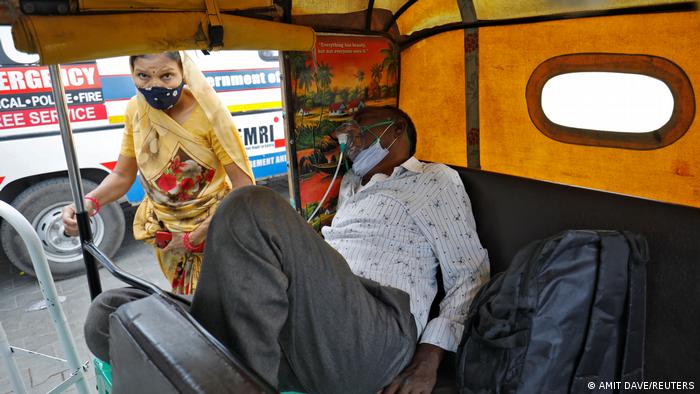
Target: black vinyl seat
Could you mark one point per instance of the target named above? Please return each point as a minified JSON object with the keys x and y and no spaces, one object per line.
{"x":157,"y":347}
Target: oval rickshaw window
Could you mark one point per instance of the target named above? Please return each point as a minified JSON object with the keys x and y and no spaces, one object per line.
{"x":619,"y":102}
{"x":613,"y":100}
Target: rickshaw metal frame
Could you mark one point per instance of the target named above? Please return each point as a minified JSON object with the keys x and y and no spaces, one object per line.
{"x":48,"y":290}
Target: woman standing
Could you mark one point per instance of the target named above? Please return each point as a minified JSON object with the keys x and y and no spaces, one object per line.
{"x":182,"y":140}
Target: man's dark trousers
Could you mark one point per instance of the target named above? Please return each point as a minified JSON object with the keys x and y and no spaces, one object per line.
{"x":274,"y":292}
{"x":287,"y":303}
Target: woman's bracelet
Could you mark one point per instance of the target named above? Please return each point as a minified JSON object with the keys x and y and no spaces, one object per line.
{"x":190,"y":248}
{"x":95,"y":202}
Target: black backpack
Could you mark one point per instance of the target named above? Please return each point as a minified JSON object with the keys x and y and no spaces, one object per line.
{"x":567,"y":316}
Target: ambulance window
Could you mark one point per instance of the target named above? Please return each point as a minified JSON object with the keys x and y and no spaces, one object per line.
{"x":269,"y":56}
{"x":623,"y":101}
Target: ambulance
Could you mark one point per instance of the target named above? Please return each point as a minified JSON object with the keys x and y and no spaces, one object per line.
{"x":33,"y":171}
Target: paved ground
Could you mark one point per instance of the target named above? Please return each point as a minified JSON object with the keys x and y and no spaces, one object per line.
{"x":34,"y":330}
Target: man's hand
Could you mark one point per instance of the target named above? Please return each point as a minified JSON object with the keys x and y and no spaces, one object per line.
{"x":420,"y":375}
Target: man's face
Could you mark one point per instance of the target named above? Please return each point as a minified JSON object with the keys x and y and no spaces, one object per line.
{"x":366,"y":129}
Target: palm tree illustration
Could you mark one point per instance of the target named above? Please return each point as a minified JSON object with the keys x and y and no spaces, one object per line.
{"x":390,"y":64}
{"x":344,"y":94}
{"x":297,"y":64}
{"x":376,"y":70}
{"x":304,"y":81}
{"x":301,"y":74}
{"x":360,"y":76}
{"x":323,"y":79}
{"x":356,"y":93}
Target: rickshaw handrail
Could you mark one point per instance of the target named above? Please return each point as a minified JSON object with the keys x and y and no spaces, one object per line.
{"x":48,"y":290}
{"x":120,"y":274}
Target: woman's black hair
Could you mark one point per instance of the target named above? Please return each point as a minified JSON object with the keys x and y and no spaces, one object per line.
{"x":174,"y":55}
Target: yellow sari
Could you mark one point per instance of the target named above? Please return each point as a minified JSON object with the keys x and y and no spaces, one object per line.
{"x":181,"y":168}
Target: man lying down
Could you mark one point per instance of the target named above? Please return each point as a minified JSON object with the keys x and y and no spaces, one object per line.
{"x":348,"y":314}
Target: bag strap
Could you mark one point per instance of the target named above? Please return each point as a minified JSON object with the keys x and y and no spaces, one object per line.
{"x":599,"y":360}
{"x":633,"y":359}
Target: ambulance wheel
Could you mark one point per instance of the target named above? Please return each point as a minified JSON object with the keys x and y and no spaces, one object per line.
{"x":41,"y":204}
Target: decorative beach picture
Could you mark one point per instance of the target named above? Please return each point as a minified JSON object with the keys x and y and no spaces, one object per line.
{"x":329,"y":85}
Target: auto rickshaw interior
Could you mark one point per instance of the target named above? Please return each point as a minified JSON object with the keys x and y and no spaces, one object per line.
{"x":471,"y":74}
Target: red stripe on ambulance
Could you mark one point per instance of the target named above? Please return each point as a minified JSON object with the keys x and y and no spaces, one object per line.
{"x":110,"y":165}
{"x":2,"y":178}
{"x":45,"y":116}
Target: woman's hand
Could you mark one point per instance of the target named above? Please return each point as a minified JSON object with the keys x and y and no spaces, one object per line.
{"x":199,"y":235}
{"x":115,"y":185}
{"x":175,"y":244}
{"x":70,"y":223}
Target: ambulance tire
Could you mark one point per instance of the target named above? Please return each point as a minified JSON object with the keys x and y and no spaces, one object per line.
{"x":41,"y":204}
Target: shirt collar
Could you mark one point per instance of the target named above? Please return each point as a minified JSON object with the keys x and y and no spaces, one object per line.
{"x":412,"y":164}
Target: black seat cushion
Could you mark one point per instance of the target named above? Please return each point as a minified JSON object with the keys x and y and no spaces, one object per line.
{"x":157,"y":347}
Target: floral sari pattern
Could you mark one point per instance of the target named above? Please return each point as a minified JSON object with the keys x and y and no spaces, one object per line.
{"x":183,"y":178}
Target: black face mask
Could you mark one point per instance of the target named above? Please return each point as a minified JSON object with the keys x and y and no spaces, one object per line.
{"x":162,"y":98}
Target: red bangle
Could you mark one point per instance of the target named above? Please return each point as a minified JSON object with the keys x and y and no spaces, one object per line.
{"x":94,"y":201}
{"x":190,"y":248}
